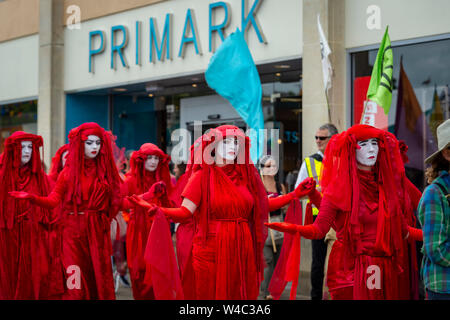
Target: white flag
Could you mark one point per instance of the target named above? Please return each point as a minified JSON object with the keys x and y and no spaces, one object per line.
{"x":325,"y":51}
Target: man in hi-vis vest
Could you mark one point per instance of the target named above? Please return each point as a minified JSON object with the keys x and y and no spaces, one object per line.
{"x":312,"y":167}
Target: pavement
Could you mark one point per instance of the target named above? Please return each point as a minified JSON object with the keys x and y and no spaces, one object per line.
{"x":124,"y":293}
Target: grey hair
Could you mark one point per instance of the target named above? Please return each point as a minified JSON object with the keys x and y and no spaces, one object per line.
{"x":332,"y":130}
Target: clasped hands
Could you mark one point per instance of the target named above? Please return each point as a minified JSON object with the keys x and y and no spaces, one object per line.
{"x":138,"y":201}
{"x":305,"y":188}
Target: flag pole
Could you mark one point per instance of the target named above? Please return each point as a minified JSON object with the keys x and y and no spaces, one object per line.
{"x":328,"y":105}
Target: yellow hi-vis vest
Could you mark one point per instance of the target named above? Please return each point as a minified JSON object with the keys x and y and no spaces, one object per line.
{"x":314,"y":168}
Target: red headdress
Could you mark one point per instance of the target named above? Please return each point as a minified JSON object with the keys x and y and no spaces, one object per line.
{"x":9,"y":171}
{"x":137,"y":166}
{"x":202,"y":158}
{"x":340,"y":184}
{"x":56,"y":166}
{"x":106,"y":168}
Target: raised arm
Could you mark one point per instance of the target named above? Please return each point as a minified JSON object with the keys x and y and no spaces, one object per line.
{"x":303,"y":189}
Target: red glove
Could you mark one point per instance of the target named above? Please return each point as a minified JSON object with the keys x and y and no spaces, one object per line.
{"x":281,"y":201}
{"x":305,"y":187}
{"x":309,"y":231}
{"x":22,"y":195}
{"x":177,"y":214}
{"x":415,"y":234}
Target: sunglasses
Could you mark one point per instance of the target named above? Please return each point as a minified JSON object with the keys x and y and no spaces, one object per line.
{"x":322,"y":138}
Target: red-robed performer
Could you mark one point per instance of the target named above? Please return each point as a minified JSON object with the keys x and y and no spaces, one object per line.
{"x":229,"y":203}
{"x":58,"y":162}
{"x":148,"y":166}
{"x":364,"y":195}
{"x":27,"y":269}
{"x":89,"y":188}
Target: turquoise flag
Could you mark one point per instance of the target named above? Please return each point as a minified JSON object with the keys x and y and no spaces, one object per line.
{"x":232,"y":74}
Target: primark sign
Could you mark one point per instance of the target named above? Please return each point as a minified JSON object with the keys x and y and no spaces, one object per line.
{"x":163,"y":44}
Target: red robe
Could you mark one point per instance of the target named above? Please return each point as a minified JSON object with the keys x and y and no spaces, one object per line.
{"x":224,"y":266}
{"x":86,"y":242}
{"x":29,"y":266}
{"x":348,"y":277}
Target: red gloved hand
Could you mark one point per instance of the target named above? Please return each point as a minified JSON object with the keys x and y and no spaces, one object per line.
{"x":158,"y":189}
{"x":305,"y":187}
{"x":415,"y":234}
{"x":137,"y":201}
{"x":22,"y":195}
{"x":309,"y":231}
{"x":177,"y":214}
{"x":283,"y":227}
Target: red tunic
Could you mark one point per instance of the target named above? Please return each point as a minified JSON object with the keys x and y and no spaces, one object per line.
{"x":358,"y":271}
{"x":225,"y":265}
{"x":86,"y":242}
{"x":138,"y":229}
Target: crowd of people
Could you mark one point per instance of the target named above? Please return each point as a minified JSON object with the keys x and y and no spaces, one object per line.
{"x":217,"y":228}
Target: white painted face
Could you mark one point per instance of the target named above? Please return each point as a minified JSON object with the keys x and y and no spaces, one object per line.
{"x":92,"y":146}
{"x":228,"y":148}
{"x":151,"y":163}
{"x":368,"y":153}
{"x":64,"y":158}
{"x":27,"y":151}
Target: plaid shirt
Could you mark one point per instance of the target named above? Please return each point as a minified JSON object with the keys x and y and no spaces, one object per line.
{"x":434,"y":216}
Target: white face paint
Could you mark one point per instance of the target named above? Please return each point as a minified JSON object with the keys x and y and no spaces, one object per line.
{"x":92,"y":146}
{"x":151,"y":163}
{"x":228,"y":149}
{"x":368,"y":153}
{"x":27,"y":151}
{"x":64,"y":158}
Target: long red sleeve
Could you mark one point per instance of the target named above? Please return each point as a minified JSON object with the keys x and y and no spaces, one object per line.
{"x":55,"y":197}
{"x":415,"y":234}
{"x":177,"y":214}
{"x":281,"y":201}
{"x":310,"y":232}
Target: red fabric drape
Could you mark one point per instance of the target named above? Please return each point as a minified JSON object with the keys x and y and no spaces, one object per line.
{"x":28,"y":248}
{"x":289,"y":259}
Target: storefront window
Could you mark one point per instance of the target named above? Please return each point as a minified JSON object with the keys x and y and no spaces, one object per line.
{"x":17,"y":117}
{"x":426,"y":68}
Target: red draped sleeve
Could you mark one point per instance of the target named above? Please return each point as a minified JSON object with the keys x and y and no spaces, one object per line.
{"x":55,"y":197}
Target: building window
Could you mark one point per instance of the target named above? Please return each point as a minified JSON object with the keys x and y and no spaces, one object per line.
{"x":426,"y":68}
{"x":17,"y":117}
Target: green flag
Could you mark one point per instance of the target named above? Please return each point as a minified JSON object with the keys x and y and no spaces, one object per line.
{"x":381,"y":85}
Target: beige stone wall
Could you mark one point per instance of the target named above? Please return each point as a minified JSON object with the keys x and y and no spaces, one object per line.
{"x":91,"y":9}
{"x":20,"y":18}
{"x":314,"y":103}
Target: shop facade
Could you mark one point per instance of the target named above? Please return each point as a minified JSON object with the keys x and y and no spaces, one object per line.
{"x":137,"y":67}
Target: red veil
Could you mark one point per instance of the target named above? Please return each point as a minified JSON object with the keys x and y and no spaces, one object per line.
{"x":107,"y":172}
{"x":339,"y":177}
{"x":203,"y":159}
{"x":156,"y":255}
{"x":35,"y":241}
{"x":9,"y":172}
{"x":56,"y":166}
{"x":137,"y":167}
